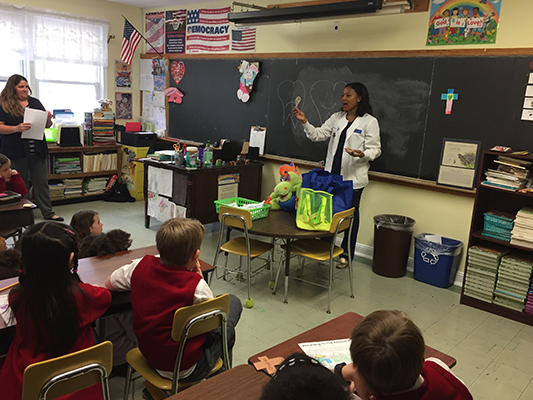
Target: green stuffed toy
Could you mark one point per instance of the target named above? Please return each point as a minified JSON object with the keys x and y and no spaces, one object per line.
{"x":286,"y":193}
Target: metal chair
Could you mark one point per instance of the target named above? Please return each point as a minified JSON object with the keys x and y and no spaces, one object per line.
{"x":323,"y":251}
{"x":241,"y":246}
{"x":70,"y":373}
{"x":188,"y":322}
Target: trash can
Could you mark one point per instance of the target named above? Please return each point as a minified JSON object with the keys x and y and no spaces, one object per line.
{"x":436,"y":259}
{"x":392,"y":241}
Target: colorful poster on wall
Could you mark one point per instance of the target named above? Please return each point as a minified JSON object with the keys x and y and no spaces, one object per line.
{"x":122,"y":74}
{"x":123,"y":107}
{"x":455,"y":22}
{"x":155,"y":32}
{"x":175,"y":31}
{"x":208,"y":30}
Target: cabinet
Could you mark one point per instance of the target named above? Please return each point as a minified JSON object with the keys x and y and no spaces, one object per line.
{"x":104,"y":164}
{"x":492,"y":198}
{"x":198,"y":189}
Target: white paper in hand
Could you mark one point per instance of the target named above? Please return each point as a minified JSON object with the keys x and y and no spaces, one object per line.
{"x":38,"y":119}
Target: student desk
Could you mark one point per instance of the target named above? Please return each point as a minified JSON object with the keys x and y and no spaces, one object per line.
{"x":282,"y":224}
{"x":16,"y":215}
{"x":338,"y":328}
{"x":197,"y":189}
{"x":242,"y":382}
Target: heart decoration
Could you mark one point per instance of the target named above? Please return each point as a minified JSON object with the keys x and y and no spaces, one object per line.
{"x":177,"y":70}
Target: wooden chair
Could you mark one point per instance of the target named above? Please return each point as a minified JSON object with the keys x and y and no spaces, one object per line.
{"x":241,"y":246}
{"x":188,"y":322}
{"x":325,"y":252}
{"x":70,"y":373}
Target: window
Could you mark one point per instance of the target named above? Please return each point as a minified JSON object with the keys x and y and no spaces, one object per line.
{"x":63,"y":56}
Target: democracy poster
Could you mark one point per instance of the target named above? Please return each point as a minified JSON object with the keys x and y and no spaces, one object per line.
{"x":208,"y":30}
{"x":458,"y":22}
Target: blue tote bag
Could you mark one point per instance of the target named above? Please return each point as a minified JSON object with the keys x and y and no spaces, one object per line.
{"x":325,"y":181}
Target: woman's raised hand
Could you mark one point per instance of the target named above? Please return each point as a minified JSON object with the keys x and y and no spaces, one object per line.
{"x":299,"y":114}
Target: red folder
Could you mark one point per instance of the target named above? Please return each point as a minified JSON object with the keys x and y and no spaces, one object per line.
{"x":133,"y":126}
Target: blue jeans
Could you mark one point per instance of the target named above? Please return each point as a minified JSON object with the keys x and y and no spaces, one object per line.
{"x":356,"y":199}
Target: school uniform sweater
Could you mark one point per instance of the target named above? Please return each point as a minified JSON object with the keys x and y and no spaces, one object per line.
{"x":91,"y":305}
{"x":363,"y":134}
{"x":15,"y":184}
{"x":439,"y":384}
{"x":157,"y":291}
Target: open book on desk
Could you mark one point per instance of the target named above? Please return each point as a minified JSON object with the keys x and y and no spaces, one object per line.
{"x":329,"y":352}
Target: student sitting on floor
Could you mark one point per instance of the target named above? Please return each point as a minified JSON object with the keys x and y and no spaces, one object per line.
{"x":159,"y":286}
{"x":10,"y":179}
{"x":92,"y":241}
{"x":53,"y":310}
{"x":302,"y":377}
{"x":387,"y":351}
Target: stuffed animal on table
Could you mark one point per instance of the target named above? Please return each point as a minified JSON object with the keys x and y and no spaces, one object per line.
{"x":286,"y":193}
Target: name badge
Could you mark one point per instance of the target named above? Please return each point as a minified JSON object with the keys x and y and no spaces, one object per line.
{"x":358,"y":131}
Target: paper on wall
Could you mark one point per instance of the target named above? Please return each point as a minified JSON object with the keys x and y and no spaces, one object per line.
{"x":146,"y":79}
{"x":159,"y":99}
{"x":147,"y":104}
{"x":38,"y":119}
{"x":162,"y":208}
{"x":257,"y":138}
{"x":160,"y":181}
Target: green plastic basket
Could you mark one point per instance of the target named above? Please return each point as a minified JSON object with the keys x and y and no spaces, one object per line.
{"x":238,"y":202}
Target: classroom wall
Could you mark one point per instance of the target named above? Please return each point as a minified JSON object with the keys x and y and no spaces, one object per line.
{"x":437,"y":213}
{"x":111,"y":12}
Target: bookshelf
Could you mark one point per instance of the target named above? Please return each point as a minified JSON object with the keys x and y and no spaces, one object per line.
{"x":493,"y":198}
{"x":94,"y":162}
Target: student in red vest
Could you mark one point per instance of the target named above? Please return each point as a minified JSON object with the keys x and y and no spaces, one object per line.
{"x":161,"y":285}
{"x":10,"y":179}
{"x":53,"y":309}
{"x":387,"y":351}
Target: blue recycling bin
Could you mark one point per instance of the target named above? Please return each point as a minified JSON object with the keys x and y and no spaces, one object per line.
{"x":436,"y":263}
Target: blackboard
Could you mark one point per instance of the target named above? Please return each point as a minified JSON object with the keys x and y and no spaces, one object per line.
{"x":405,"y":93}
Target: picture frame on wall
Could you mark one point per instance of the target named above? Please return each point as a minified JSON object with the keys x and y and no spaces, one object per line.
{"x":459,"y":163}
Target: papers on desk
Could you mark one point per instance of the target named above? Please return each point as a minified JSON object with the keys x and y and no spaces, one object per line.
{"x":38,"y":119}
{"x":5,"y":311}
{"x":328,"y":353}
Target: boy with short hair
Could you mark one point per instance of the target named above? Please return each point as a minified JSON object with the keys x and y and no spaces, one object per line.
{"x":161,"y":285}
{"x":387,"y":351}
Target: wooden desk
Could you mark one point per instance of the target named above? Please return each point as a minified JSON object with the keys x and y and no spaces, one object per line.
{"x":282,"y":224}
{"x":338,"y":328}
{"x":242,"y":382}
{"x":95,"y":270}
{"x":197,"y":189}
{"x":16,"y":215}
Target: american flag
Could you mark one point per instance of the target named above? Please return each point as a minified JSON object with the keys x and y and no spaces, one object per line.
{"x":155,"y":31}
{"x":207,"y":30}
{"x":175,"y":17}
{"x":130,"y":40}
{"x":243,"y":39}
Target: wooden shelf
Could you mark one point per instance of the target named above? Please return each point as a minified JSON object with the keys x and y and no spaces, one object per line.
{"x":80,"y":151}
{"x":491,"y":198}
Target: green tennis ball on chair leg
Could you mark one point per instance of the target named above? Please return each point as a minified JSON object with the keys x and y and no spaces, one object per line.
{"x":248,"y":303}
{"x":271,"y":284}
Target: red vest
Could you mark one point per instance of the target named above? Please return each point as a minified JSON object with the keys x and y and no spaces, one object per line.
{"x":439,"y":384}
{"x":157,"y":291}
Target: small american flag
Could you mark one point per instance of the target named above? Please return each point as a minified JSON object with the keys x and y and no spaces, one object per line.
{"x":243,"y":39}
{"x":130,"y":40}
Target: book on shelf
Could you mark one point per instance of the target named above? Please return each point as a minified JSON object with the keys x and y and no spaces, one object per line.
{"x":511,"y":187}
{"x":515,"y":161}
{"x":521,"y":173}
{"x":525,"y":212}
{"x":490,"y":252}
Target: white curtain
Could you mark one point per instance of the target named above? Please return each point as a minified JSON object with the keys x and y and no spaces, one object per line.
{"x":34,"y":34}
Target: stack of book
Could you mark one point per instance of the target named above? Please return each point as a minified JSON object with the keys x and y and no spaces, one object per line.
{"x":88,"y":128}
{"x":67,"y":165}
{"x":498,"y":225}
{"x":103,"y":133}
{"x":95,"y":185}
{"x":482,"y":271}
{"x":511,"y":174}
{"x":529,"y":302}
{"x":100,"y":162}
{"x":73,"y":187}
{"x":512,"y":285}
{"x":57,"y":189}
{"x":522,"y":233}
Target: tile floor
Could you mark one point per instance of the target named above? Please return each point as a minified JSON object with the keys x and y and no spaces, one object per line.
{"x":493,"y":354}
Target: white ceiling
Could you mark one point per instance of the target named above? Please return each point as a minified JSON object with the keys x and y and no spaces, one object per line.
{"x":155,"y":3}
